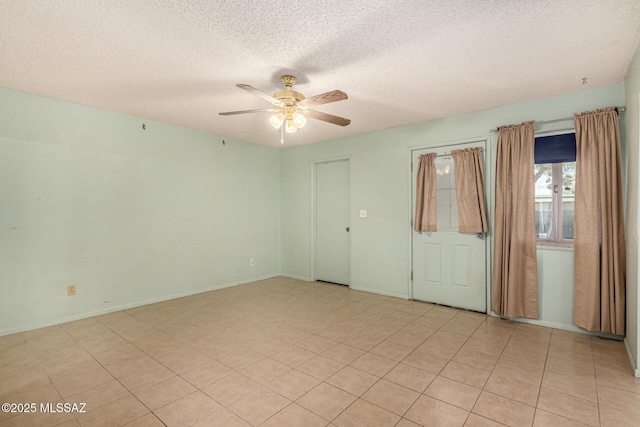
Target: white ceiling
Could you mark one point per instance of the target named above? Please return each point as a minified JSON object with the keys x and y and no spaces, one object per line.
{"x":400,"y":62}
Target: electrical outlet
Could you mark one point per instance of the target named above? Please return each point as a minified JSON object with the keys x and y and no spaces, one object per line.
{"x":71,"y":290}
{"x":252,"y":262}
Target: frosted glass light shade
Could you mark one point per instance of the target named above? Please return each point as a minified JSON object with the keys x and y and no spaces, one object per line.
{"x":276,"y":120}
{"x":290,"y":127}
{"x":299,"y":120}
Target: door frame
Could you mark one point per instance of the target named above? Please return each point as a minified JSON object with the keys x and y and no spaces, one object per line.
{"x":314,"y":165}
{"x":488,"y":175}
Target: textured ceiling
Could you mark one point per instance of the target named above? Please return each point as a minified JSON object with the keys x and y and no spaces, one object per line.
{"x":400,"y":62}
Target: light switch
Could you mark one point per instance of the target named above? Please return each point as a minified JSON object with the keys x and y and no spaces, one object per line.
{"x":363,"y":213}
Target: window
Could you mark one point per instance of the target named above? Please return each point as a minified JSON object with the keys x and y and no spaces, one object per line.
{"x":555,"y":176}
{"x":446,"y":209}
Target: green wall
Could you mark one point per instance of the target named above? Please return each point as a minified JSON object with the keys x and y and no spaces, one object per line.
{"x":130,"y":216}
{"x":632,"y":92}
{"x":380,"y":183}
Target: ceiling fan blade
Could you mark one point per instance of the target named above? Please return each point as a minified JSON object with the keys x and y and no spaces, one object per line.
{"x":259,"y":93}
{"x":324,"y":98}
{"x":329,"y":118}
{"x":264,"y":110}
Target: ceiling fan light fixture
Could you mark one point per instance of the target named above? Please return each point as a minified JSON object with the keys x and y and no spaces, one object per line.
{"x":290,"y":127}
{"x":276,"y":120}
{"x":299,"y":120}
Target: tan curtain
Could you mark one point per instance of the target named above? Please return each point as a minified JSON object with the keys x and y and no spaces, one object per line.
{"x":599,"y":246}
{"x":467,"y":164}
{"x":425,"y":219}
{"x":515,"y":270}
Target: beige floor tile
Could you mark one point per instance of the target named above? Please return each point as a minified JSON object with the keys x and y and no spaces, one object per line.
{"x":187,"y":410}
{"x":343,"y":353}
{"x":149,"y":420}
{"x":612,"y":417}
{"x":259,"y":405}
{"x":619,"y":399}
{"x":265,"y":370}
{"x":116,"y":413}
{"x":352,"y":380}
{"x":72,"y":383}
{"x":623,"y":380}
{"x":452,"y":392}
{"x":317,"y":344}
{"x":465,"y":374}
{"x":326,"y":401}
{"x":548,"y":419}
{"x":390,"y":396}
{"x":584,"y":388}
{"x":406,"y":423}
{"x":230,"y":388}
{"x":475,"y":359}
{"x":492,"y":347}
{"x":406,"y":339}
{"x":374,"y":364}
{"x":568,"y":406}
{"x":570,"y":367}
{"x":293,"y":355}
{"x":511,"y":388}
{"x":426,"y":361}
{"x":475,"y":420}
{"x":161,"y":394}
{"x":410,"y":377}
{"x":207,"y":374}
{"x":321,"y":367}
{"x":100,"y":395}
{"x":527,"y":373}
{"x":362,"y":413}
{"x":427,"y":411}
{"x":391,"y":350}
{"x":503,"y":410}
{"x":295,"y":416}
{"x":364,"y":341}
{"x":293,"y":384}
{"x":222,"y":418}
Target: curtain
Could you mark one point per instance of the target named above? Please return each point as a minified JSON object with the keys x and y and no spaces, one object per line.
{"x":599,"y":244}
{"x":425,"y":219}
{"x":515,"y":270}
{"x":467,"y":164}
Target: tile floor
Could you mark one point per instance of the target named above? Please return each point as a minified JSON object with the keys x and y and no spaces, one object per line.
{"x":287,"y":353}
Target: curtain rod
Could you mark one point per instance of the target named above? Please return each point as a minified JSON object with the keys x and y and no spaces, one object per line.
{"x":448,"y":153}
{"x":541,"y":122}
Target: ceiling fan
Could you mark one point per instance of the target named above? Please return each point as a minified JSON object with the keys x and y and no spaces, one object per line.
{"x":291,"y":108}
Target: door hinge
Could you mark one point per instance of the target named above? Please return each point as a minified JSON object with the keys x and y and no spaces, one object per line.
{"x":412,"y":276}
{"x":411,"y":167}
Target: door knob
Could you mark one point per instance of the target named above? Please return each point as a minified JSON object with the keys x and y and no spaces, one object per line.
{"x":347,"y":229}
{"x":480,"y":236}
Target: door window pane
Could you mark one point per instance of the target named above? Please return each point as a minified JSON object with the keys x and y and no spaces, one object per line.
{"x":446,"y":208}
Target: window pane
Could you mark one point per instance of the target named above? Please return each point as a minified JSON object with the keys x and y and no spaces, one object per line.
{"x":568,"y":191}
{"x":544,"y":200}
{"x":446,"y":208}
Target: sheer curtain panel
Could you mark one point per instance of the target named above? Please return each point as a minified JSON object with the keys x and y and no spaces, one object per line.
{"x":599,"y":243}
{"x":472,"y":217}
{"x":515,"y":270}
{"x":425,"y":219}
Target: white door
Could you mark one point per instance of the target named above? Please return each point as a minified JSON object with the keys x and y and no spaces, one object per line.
{"x":332,"y":222}
{"x":448,"y":267}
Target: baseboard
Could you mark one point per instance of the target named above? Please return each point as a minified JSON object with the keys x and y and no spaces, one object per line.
{"x":131,"y":305}
{"x":293,"y":276}
{"x":636,"y":369}
{"x":375,"y":291}
{"x":564,"y":327}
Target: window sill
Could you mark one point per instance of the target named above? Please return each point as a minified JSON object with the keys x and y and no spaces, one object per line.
{"x":554,"y":246}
